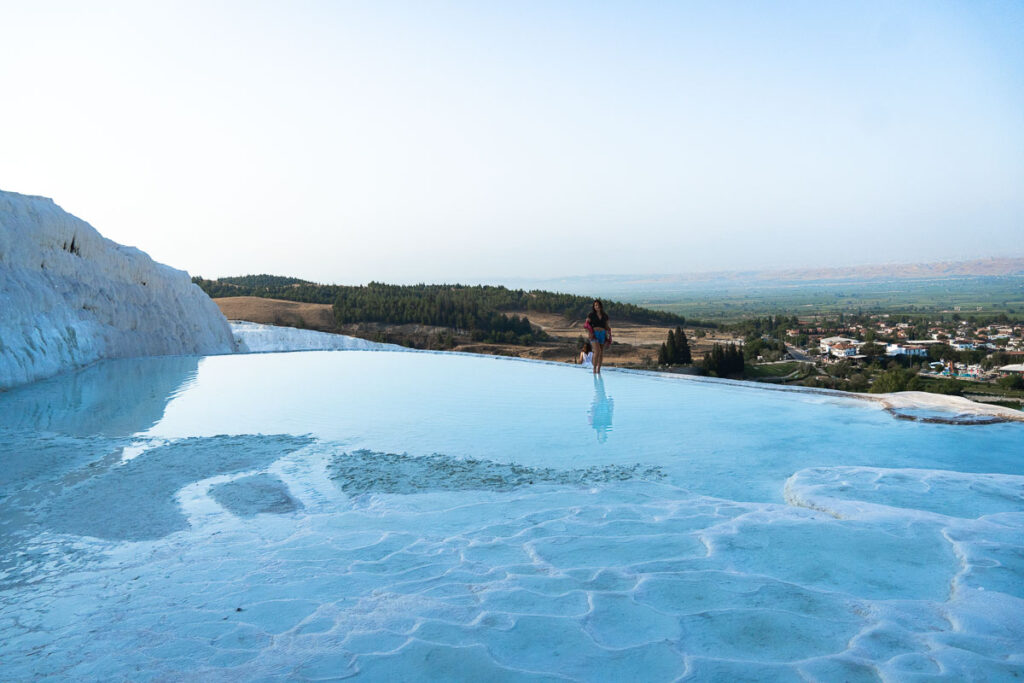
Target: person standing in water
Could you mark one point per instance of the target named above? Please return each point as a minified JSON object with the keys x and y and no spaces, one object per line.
{"x":600,"y":331}
{"x":586,"y":357}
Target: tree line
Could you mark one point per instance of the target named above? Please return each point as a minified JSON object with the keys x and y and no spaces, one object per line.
{"x":724,"y":360}
{"x":482,"y":311}
{"x":721,"y":360}
{"x":456,"y":308}
{"x":676,"y":349}
{"x":489,"y":297}
{"x":268,"y":287}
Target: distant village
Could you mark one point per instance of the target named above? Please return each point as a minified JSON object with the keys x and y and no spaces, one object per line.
{"x":997,"y":350}
{"x":883,"y":353}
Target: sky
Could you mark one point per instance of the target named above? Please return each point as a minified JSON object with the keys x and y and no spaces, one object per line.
{"x":425,"y":141}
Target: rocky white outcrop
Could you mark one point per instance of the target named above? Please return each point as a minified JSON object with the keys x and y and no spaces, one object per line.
{"x":69,"y":296}
{"x":942,"y":408}
{"x":257,"y":338}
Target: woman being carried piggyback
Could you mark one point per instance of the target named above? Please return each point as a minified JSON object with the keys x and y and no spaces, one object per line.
{"x":600,"y":332}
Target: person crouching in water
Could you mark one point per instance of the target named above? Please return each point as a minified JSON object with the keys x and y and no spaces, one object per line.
{"x":600,"y":331}
{"x":586,"y":358}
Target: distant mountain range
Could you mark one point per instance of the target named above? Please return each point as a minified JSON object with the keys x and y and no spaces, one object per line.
{"x":915,"y":271}
{"x":988,"y":267}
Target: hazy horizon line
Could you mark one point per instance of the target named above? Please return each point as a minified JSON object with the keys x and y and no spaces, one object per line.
{"x":1015,"y":262}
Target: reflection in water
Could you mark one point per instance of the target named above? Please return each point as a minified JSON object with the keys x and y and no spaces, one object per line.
{"x":111,"y":398}
{"x":57,"y":438}
{"x":601,"y":408}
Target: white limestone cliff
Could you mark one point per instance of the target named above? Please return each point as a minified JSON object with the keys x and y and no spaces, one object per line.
{"x":69,"y":296}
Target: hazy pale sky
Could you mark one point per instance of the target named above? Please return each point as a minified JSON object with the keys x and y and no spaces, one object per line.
{"x":457,"y":141}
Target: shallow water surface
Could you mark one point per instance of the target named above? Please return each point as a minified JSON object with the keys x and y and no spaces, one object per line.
{"x":420,"y":516}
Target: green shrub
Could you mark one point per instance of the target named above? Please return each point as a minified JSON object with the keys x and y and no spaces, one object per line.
{"x":1011,"y":382}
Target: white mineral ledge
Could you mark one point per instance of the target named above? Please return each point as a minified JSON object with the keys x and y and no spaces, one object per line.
{"x":69,"y":297}
{"x":953,"y":405}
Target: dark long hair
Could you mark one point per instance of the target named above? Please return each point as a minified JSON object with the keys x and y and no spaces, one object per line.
{"x":594,"y":315}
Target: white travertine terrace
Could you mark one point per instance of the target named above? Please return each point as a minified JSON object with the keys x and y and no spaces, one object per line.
{"x":947,"y":404}
{"x":69,"y":296}
{"x":257,"y":338}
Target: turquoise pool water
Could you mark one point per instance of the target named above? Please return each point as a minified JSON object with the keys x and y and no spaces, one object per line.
{"x":413,"y":515}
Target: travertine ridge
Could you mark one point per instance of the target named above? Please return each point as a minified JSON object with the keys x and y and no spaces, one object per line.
{"x":69,"y":296}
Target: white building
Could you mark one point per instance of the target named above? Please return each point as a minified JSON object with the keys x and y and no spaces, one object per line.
{"x":828,"y":343}
{"x":906,"y":350}
{"x":843,"y":350}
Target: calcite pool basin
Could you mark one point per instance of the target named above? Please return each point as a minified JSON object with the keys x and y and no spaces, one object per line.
{"x":418,"y":516}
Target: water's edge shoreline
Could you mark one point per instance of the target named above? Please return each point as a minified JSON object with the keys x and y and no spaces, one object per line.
{"x":908,"y":405}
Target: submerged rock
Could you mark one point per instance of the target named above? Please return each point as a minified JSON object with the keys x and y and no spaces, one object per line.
{"x":366,"y":471}
{"x":254,"y":495}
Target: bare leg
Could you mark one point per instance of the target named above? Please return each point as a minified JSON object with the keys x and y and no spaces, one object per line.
{"x":598,"y":357}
